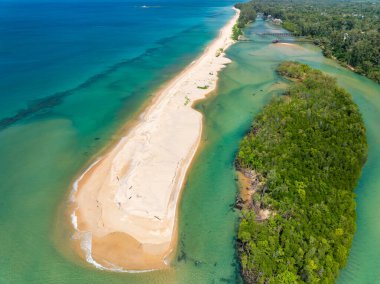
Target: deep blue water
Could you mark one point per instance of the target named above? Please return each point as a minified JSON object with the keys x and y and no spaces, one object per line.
{"x":53,"y":46}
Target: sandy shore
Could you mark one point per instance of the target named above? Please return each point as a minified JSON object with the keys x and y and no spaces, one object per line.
{"x":126,"y":203}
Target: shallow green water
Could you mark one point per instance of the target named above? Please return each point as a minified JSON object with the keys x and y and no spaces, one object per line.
{"x":30,"y":249}
{"x":206,"y":220}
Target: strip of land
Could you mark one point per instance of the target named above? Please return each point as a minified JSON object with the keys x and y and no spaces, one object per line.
{"x":126,"y":203}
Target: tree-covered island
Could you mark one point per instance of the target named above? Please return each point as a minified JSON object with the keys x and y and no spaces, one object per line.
{"x":303,"y":156}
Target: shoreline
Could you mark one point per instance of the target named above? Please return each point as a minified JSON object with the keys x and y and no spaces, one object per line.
{"x":125,"y":204}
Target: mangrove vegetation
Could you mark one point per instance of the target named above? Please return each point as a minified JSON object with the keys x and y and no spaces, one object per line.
{"x":304,"y":153}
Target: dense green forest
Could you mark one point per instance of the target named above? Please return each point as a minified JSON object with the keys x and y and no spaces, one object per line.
{"x":346,"y":30}
{"x":247,"y":15}
{"x":306,"y":148}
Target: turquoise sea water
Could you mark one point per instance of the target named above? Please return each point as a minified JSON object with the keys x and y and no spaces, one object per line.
{"x":102,"y":79}
{"x":91,"y":65}
{"x":50,"y":47}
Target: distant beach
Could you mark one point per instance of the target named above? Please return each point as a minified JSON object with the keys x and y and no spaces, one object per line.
{"x":126,"y":203}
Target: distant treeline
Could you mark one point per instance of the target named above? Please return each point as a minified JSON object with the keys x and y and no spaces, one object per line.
{"x":307,"y":149}
{"x":247,"y":15}
{"x":346,"y":30}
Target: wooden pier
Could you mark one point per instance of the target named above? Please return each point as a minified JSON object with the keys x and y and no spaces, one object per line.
{"x":278,"y":34}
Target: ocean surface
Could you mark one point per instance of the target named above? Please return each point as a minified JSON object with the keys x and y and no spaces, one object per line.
{"x":73,"y":73}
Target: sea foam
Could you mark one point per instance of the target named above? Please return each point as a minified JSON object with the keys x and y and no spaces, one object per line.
{"x":75,"y":184}
{"x":86,"y":245}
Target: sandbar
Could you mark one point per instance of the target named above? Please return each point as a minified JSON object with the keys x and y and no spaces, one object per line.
{"x":124,"y":206}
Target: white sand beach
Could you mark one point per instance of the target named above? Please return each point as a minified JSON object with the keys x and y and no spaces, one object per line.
{"x":126,"y":203}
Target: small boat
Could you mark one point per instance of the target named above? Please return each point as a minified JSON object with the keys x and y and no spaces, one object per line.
{"x":275,"y":41}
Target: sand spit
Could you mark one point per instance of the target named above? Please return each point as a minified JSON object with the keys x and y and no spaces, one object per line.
{"x":126,"y":202}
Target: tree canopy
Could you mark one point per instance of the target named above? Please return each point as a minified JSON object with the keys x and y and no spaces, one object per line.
{"x":307,"y":147}
{"x":346,"y":30}
{"x":247,"y":15}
